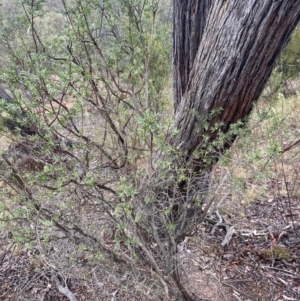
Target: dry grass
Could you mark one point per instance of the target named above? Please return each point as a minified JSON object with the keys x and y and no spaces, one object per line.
{"x":261,"y":156}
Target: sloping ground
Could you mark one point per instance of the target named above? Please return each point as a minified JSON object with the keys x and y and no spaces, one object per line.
{"x":26,"y":277}
{"x":259,"y":263}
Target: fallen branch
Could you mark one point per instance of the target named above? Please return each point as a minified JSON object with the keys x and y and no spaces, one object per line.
{"x":62,"y":289}
{"x":218,"y":223}
{"x":228,"y":236}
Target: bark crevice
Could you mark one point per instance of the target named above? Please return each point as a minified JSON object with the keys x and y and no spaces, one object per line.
{"x":238,"y":45}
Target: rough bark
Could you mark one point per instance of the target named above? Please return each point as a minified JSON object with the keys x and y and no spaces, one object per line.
{"x":188,"y":27}
{"x":223,"y":54}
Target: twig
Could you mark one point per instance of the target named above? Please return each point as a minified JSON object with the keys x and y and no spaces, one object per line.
{"x":283,"y":270}
{"x":288,"y":194}
{"x":238,"y":280}
{"x":113,"y":298}
{"x":228,"y":236}
{"x":273,"y":259}
{"x":290,"y":146}
{"x":63,"y":289}
{"x":282,"y":281}
{"x":218,"y":223}
{"x":288,"y":298}
{"x":222,"y":200}
{"x":235,"y":289}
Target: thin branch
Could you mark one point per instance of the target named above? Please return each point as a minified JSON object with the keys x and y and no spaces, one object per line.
{"x":63,"y":289}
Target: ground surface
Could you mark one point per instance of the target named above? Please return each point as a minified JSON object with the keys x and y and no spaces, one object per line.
{"x":260,"y":262}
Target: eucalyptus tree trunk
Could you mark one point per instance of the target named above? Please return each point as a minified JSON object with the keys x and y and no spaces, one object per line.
{"x":223,"y":54}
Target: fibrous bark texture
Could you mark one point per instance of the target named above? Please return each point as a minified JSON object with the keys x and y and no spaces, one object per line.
{"x":223,"y":54}
{"x":188,"y":27}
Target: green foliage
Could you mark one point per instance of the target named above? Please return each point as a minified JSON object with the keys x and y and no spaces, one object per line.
{"x":287,"y":68}
{"x":90,"y":78}
{"x":289,"y":63}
